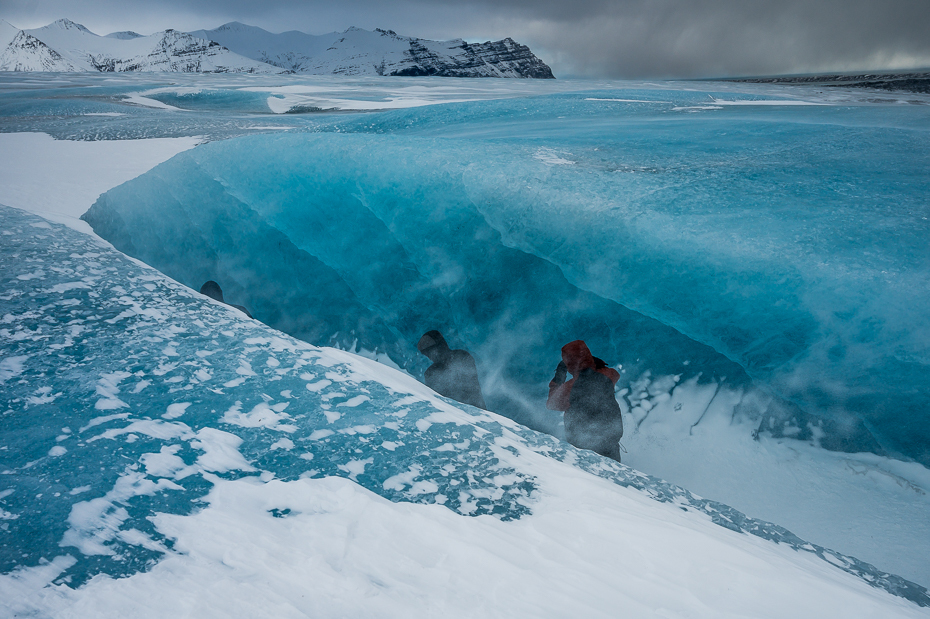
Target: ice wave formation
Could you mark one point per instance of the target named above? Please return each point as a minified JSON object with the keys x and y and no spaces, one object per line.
{"x":677,"y":245}
{"x":130,"y":399}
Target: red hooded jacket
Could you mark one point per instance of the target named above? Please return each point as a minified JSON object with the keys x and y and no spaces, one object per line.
{"x":576,"y":357}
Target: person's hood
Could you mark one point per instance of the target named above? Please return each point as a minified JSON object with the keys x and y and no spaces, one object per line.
{"x":212,"y":290}
{"x":433,"y":345}
{"x":577,"y":357}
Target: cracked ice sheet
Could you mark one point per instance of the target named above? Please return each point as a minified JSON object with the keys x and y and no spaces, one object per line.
{"x":338,"y":550}
{"x":60,"y":179}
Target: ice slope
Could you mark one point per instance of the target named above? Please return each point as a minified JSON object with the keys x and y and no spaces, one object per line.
{"x":165,"y":51}
{"x":163,"y":454}
{"x":760,"y":232}
{"x":872,"y":507}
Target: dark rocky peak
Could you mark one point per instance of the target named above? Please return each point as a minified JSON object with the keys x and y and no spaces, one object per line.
{"x":124,"y":35}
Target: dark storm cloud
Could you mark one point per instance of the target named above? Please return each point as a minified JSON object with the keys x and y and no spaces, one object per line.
{"x":597,"y":38}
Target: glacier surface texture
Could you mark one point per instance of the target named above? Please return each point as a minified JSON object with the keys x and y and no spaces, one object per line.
{"x":133,"y":408}
{"x":776,"y":245}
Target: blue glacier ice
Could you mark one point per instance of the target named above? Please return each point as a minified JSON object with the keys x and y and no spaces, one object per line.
{"x":126,"y":395}
{"x":775,"y":244}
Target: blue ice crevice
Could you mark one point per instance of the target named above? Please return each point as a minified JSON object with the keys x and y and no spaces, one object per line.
{"x":126,"y":394}
{"x":512,"y":256}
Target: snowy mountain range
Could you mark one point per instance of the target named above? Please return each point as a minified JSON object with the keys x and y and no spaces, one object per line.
{"x":381,"y":52}
{"x":67,"y":46}
{"x":239,"y":48}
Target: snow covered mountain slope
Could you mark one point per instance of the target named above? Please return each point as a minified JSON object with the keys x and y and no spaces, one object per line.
{"x":67,"y":46}
{"x":20,"y":51}
{"x":234,"y":47}
{"x":289,"y":50}
{"x":382,"y":52}
{"x":164,"y":455}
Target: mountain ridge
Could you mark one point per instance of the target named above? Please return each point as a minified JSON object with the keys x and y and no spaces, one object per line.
{"x":235,"y":47}
{"x":66,"y":46}
{"x":379,"y":52}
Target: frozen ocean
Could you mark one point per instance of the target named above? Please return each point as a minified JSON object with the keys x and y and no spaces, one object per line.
{"x":753,"y":259}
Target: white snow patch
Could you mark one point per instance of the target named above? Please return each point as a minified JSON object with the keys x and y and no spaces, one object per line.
{"x":355,"y":467}
{"x":82,"y":171}
{"x":284,"y":443}
{"x":139,"y":99}
{"x":261,"y":416}
{"x":221,"y":451}
{"x":355,"y":401}
{"x":166,"y":463}
{"x":764,"y":102}
{"x":11,"y":367}
{"x":552,"y":157}
{"x":96,"y":421}
{"x":176,"y":410}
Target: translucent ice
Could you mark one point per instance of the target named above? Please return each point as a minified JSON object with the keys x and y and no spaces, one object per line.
{"x":673,"y":231}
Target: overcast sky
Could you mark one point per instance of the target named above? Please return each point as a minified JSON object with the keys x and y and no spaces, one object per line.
{"x":591,"y":38}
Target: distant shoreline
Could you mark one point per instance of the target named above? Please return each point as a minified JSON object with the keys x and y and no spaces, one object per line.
{"x":908,"y":81}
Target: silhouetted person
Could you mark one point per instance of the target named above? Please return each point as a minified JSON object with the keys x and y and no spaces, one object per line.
{"x":213,"y":290}
{"x":453,"y":373}
{"x":592,"y":415}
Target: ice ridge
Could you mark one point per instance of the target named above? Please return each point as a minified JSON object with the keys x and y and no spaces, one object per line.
{"x":675,"y":265}
{"x":387,"y":277}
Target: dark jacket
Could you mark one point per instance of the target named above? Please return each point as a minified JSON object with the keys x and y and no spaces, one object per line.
{"x":592,"y":415}
{"x":453,"y":373}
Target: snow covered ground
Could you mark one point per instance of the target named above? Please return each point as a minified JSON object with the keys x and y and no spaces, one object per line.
{"x":60,"y":179}
{"x":588,"y":550}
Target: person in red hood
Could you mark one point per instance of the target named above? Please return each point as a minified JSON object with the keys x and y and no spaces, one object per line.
{"x":592,"y":415}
